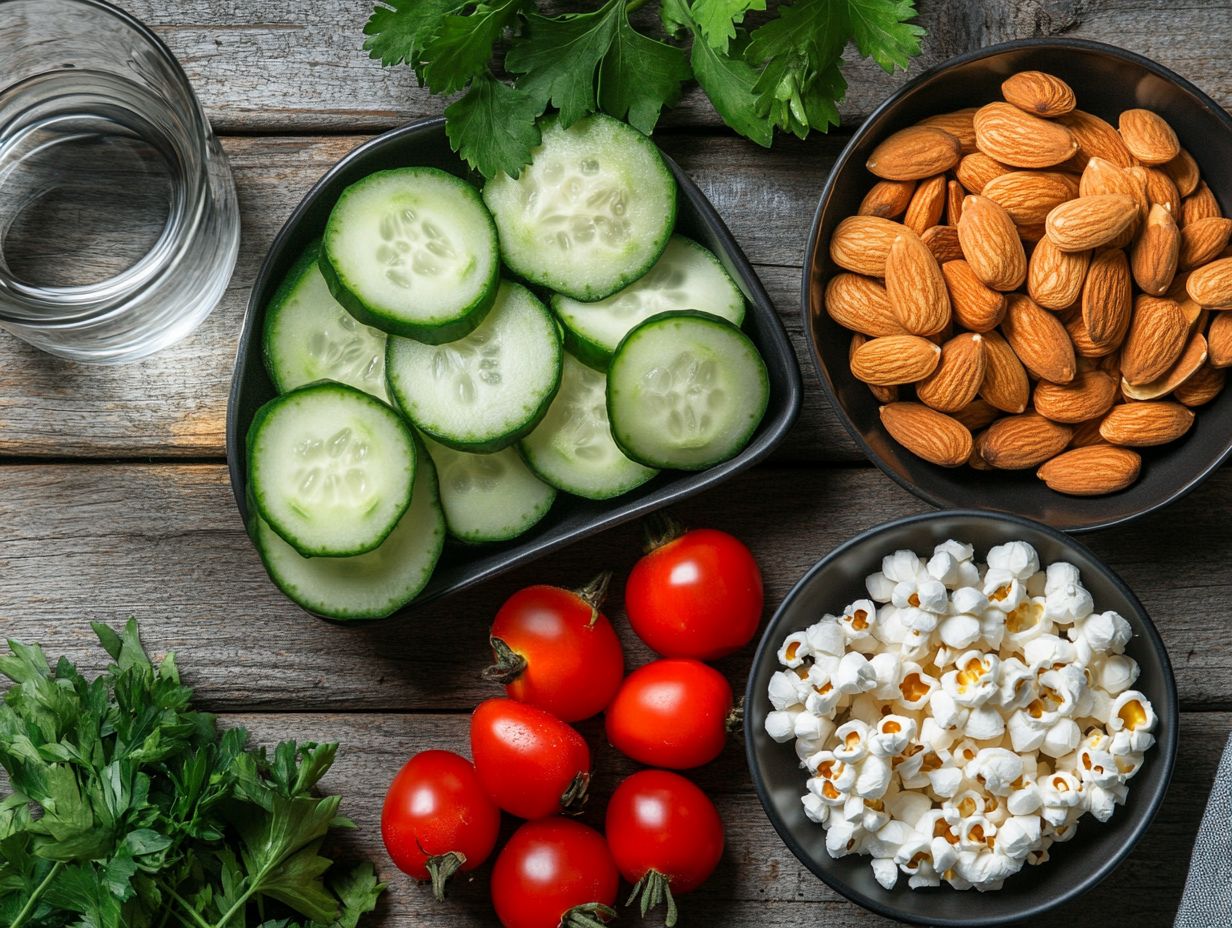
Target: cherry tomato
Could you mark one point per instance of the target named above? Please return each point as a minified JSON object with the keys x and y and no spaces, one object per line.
{"x":550,"y":870}
{"x":438,"y":818}
{"x":530,"y":762}
{"x":665,"y":835}
{"x":671,"y":713}
{"x":555,"y":650}
{"x":697,"y":596}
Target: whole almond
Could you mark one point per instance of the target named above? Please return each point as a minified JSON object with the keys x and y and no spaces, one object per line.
{"x":990,"y":243}
{"x":1088,"y":222}
{"x":1055,"y":277}
{"x":1202,"y":387}
{"x":1088,"y":396}
{"x":929,"y":434}
{"x":1084,"y":347}
{"x":1192,"y":360}
{"x":895,"y":359}
{"x":1029,"y":196}
{"x":1101,"y":176}
{"x":1107,"y":300}
{"x":1096,"y":139}
{"x":943,"y":242}
{"x":1159,"y":188}
{"x":1005,"y":379}
{"x":915,"y":153}
{"x":1038,"y":93}
{"x":1018,"y":442}
{"x":1141,"y":425}
{"x":976,"y":170}
{"x":1201,"y":204}
{"x":1091,"y":471}
{"x":1184,"y":172}
{"x":1219,"y":340}
{"x":887,"y":199}
{"x":954,"y":195}
{"x":1007,"y":134}
{"x":1086,"y":434}
{"x":927,"y":204}
{"x":959,"y":123}
{"x":1156,"y":252}
{"x":957,"y":379}
{"x":1202,"y":240}
{"x":1148,"y":136}
{"x":880,"y":394}
{"x":976,"y":306}
{"x":1209,"y":285}
{"x":860,"y":304}
{"x":862,"y":243}
{"x":1039,"y":339}
{"x":1157,"y":335}
{"x":977,"y":414}
{"x":916,"y":288}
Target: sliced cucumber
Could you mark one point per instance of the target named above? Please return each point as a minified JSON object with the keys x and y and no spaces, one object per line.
{"x":331,"y":469}
{"x":412,"y":251}
{"x":687,"y":276}
{"x":572,"y":448}
{"x":366,"y":586}
{"x":685,"y":390}
{"x":488,"y":497}
{"x":591,"y":212}
{"x":485,"y":391}
{"x":309,"y":336}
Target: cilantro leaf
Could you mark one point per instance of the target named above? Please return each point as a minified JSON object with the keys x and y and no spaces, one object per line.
{"x":639,"y":76}
{"x":398,"y":31}
{"x":559,"y":57}
{"x":718,"y":19}
{"x":492,"y":127}
{"x":462,"y":48}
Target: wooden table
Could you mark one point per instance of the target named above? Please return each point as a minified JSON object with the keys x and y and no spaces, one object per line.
{"x":114,"y":499}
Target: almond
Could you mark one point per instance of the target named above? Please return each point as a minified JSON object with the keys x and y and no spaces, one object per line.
{"x":1141,"y":425}
{"x":862,"y":243}
{"x":1005,"y":379}
{"x":1184,"y":172}
{"x":1089,"y":222}
{"x":888,"y":199}
{"x":1006,"y":133}
{"x":977,"y":170}
{"x":1156,"y":252}
{"x":1107,"y":301}
{"x":1018,"y":442}
{"x":1209,"y":285}
{"x":960,"y":124}
{"x":1076,"y":328}
{"x":916,"y":288}
{"x":895,"y":359}
{"x":990,"y":243}
{"x":977,"y":414}
{"x":1029,"y":196}
{"x":1055,"y":277}
{"x":929,"y":434}
{"x":942,"y":241}
{"x":880,"y":394}
{"x":1039,"y":339}
{"x":1038,"y":93}
{"x":1159,"y":188}
{"x":1148,"y":137}
{"x":1086,"y":434}
{"x":957,"y":379}
{"x":915,"y":153}
{"x":1202,"y":387}
{"x":1096,"y":139}
{"x":927,"y":205}
{"x":860,"y":304}
{"x":1088,"y":396}
{"x":1101,"y":176}
{"x":1203,"y":239}
{"x":1091,"y":471}
{"x":1219,"y":340}
{"x":1201,"y":204}
{"x":976,"y":307}
{"x":954,"y":194}
{"x":1156,"y":338}
{"x":1187,"y":365}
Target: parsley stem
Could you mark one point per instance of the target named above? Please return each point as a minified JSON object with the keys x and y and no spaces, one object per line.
{"x":632,"y":5}
{"x":188,"y":909}
{"x":28,"y":909}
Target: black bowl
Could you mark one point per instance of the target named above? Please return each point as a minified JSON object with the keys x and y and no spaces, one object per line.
{"x":1106,"y":80}
{"x":1077,"y":865}
{"x":571,"y":518}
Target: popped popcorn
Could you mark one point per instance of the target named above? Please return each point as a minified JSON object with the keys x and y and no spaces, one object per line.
{"x":963,"y":718}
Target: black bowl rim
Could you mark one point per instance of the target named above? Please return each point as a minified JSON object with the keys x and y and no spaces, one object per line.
{"x":839,"y":168}
{"x":1167,"y":743}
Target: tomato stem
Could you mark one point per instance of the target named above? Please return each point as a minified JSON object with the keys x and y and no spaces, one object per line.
{"x":509,"y":663}
{"x":654,"y":888}
{"x":661,"y":529}
{"x":735,"y":718}
{"x":441,"y":868}
{"x":588,"y":915}
{"x":573,"y":800}
{"x":594,"y":593}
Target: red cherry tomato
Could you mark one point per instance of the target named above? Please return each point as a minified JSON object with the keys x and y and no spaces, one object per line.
{"x":557,"y":651}
{"x":666,"y":836}
{"x":551,"y":869}
{"x":698,"y":596}
{"x":438,"y":818}
{"x":671,"y":713}
{"x":530,"y":762}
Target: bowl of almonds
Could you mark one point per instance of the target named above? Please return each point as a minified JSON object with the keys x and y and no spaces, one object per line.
{"x":1018,"y":284}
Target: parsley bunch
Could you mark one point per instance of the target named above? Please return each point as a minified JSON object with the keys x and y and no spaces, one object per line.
{"x":784,"y":73}
{"x":128,"y":809}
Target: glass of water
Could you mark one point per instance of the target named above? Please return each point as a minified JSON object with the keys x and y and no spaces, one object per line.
{"x":118,"y":221}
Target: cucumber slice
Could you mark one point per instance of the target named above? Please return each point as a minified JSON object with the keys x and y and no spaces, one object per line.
{"x":488,"y":497}
{"x":687,"y":276}
{"x":483,"y":392}
{"x":331,"y":469}
{"x":308,"y":336}
{"x":591,"y":212}
{"x":366,"y":586}
{"x":685,"y":390}
{"x":572,"y":448}
{"x":412,"y":251}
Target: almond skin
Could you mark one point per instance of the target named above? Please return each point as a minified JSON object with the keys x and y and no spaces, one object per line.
{"x":927,"y":205}
{"x":976,"y":170}
{"x":990,"y":243}
{"x":1019,"y":442}
{"x":943,"y":242}
{"x":1107,"y":300}
{"x":1157,"y":335}
{"x":860,"y":304}
{"x":959,"y":123}
{"x":1055,"y":277}
{"x":929,"y":434}
{"x":1091,"y":471}
{"x":1202,"y":387}
{"x":895,"y":359}
{"x":1038,"y":93}
{"x":954,"y":195}
{"x":1088,"y":396}
{"x":1184,"y":172}
{"x":977,"y":414}
{"x":1202,"y":240}
{"x":915,"y":153}
{"x":1088,"y":222}
{"x":1087,"y":434}
{"x":1219,"y":340}
{"x":1156,"y":252}
{"x":1039,"y":339}
{"x":1101,"y":176}
{"x":1141,"y":425}
{"x":862,"y":243}
{"x":957,"y":379}
{"x":1096,"y":139}
{"x":1029,"y":196}
{"x":1210,"y":285}
{"x":1160,"y":189}
{"x":887,"y":199}
{"x":1201,"y":204}
{"x":880,"y":394}
{"x":976,"y":306}
{"x":1007,"y":134}
{"x":1192,"y":360}
{"x":1005,"y":379}
{"x":1084,"y":347}
{"x":916,"y":288}
{"x":1148,"y":136}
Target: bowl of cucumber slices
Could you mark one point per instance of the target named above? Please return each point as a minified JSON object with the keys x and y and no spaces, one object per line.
{"x":440,"y":379}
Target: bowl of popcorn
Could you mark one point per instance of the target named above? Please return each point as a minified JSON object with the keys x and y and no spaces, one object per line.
{"x":961,"y":718}
{"x":1017,"y":284}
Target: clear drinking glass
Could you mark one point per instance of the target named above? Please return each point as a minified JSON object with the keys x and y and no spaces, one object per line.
{"x":118,"y":221}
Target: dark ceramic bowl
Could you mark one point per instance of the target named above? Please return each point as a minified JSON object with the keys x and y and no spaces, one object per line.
{"x":1106,"y":80}
{"x":571,"y":518}
{"x":1077,"y":865}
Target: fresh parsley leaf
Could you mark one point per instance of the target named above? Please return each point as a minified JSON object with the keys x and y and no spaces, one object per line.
{"x":398,"y":31}
{"x":462,"y":47}
{"x":718,"y":19}
{"x":639,"y":76}
{"x":881,"y":31}
{"x":357,"y":890}
{"x":492,"y":127}
{"x":559,"y":57}
{"x":729,"y":83}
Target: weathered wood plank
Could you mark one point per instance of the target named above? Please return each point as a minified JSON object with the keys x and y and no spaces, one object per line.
{"x":164,"y":543}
